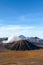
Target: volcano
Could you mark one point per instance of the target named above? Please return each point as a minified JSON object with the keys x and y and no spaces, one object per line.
{"x":23,"y":45}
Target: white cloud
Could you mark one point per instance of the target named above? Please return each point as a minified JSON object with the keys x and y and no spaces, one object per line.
{"x":22,"y":18}
{"x":10,"y":30}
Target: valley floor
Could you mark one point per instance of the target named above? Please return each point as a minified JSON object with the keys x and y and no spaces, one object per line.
{"x":34,"y":57}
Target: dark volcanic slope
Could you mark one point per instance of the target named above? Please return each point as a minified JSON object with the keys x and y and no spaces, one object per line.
{"x":23,"y":45}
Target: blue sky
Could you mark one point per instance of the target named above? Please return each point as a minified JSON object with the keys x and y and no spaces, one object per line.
{"x":21,"y":17}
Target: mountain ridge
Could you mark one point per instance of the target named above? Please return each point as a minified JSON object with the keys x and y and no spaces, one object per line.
{"x":22,"y":43}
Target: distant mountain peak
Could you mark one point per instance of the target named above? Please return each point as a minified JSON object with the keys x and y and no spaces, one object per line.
{"x":22,"y":36}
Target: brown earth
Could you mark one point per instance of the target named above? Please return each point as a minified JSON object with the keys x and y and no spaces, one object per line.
{"x":34,"y":57}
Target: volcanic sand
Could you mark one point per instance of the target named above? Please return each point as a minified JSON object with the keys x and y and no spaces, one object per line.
{"x":33,"y":57}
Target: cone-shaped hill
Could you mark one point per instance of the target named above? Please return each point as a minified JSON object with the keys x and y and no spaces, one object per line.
{"x":23,"y":45}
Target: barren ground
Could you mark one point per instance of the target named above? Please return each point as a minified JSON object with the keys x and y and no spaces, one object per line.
{"x":34,"y":57}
